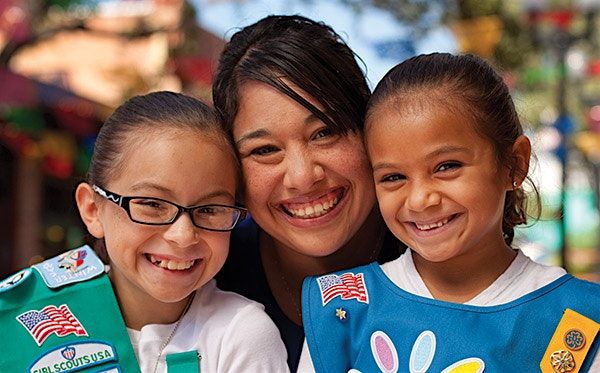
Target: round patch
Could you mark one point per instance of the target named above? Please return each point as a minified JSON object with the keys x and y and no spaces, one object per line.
{"x":14,"y":280}
{"x":574,"y":339}
{"x":562,"y":361}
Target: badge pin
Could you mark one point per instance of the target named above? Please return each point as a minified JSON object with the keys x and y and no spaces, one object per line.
{"x":562,"y":361}
{"x":574,"y":339}
{"x":340,"y":313}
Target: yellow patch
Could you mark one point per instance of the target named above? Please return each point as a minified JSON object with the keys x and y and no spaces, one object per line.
{"x":570,"y":343}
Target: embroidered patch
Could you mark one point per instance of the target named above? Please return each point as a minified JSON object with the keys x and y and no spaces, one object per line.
{"x":14,"y":280}
{"x":384,"y":352}
{"x":76,"y":356}
{"x":51,"y":319}
{"x":470,"y":365}
{"x":422,"y":352}
{"x":348,"y":286}
{"x":73,"y":266}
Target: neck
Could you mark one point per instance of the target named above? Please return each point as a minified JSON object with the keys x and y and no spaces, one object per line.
{"x":286,"y":268}
{"x":462,"y":278}
{"x":140,"y":309}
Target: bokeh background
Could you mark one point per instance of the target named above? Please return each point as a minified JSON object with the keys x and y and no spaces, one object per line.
{"x":66,"y":64}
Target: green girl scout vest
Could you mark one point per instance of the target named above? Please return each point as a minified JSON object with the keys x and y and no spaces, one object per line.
{"x":62,"y":316}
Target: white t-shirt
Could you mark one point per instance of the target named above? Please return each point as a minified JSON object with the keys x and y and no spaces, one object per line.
{"x":522,"y":277}
{"x":230,"y":332}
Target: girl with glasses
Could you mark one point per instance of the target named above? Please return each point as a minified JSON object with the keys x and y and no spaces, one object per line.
{"x":160,"y":202}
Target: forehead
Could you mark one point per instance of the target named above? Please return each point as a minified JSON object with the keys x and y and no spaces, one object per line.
{"x":260,"y":104}
{"x":418,"y":125}
{"x":171,"y":153}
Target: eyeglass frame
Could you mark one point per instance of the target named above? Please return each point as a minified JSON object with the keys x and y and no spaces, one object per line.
{"x":123,"y":202}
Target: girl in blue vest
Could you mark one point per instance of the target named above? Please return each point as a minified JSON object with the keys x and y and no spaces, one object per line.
{"x":449,"y":160}
{"x":160,"y":201}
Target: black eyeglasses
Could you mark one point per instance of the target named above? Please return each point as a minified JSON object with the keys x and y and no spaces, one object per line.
{"x":157,"y":211}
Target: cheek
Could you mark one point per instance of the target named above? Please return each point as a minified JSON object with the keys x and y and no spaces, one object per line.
{"x":259,"y":182}
{"x":219,"y":244}
{"x":388,"y":205}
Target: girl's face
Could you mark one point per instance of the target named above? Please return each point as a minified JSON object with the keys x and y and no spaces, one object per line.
{"x":438,"y":183}
{"x":307,"y":187}
{"x":167,"y":262}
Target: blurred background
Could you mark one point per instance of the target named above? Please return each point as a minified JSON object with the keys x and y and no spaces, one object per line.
{"x":66,"y":64}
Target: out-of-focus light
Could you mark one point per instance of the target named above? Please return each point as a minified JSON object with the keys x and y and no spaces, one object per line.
{"x":55,"y":233}
{"x":548,"y":138}
{"x":595,"y":113}
{"x":548,"y":115}
{"x":576,"y":62}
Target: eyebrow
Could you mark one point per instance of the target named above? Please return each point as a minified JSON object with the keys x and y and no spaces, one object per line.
{"x":159,"y":188}
{"x":437,"y":152}
{"x":262,"y":132}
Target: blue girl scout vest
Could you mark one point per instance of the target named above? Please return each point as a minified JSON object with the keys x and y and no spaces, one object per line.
{"x":358,"y":320}
{"x":62,"y":316}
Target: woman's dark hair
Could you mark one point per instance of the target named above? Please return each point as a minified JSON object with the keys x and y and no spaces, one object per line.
{"x":158,"y":112}
{"x":289,"y":53}
{"x":471,"y":86}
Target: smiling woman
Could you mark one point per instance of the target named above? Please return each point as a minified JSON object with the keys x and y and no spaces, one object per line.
{"x":293,"y":100}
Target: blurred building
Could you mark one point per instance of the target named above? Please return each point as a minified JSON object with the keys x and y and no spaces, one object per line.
{"x":58,"y":81}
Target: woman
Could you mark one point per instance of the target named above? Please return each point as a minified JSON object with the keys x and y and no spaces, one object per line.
{"x":293,"y":99}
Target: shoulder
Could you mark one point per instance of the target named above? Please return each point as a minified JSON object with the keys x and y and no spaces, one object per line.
{"x":239,"y":331}
{"x":72,"y":267}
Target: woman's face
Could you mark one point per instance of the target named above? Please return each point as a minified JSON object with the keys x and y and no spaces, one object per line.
{"x":306,"y":186}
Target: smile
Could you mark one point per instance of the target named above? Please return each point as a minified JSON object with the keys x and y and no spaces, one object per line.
{"x":318,"y":207}
{"x":430,"y":226}
{"x":172,"y":265}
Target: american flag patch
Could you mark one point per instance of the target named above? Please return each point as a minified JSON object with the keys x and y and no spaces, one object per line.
{"x":51,"y":319}
{"x":348,"y":286}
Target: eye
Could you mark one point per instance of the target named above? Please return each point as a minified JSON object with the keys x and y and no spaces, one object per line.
{"x":391,"y":178}
{"x":264,"y":150}
{"x":150,"y":203}
{"x":206,"y":210}
{"x":323,"y":132}
{"x":448,"y":166}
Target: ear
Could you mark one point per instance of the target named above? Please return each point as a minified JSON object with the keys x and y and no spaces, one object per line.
{"x":521,"y":151}
{"x":89,"y":209}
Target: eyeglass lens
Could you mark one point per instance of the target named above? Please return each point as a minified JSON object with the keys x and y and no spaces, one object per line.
{"x":153,"y":211}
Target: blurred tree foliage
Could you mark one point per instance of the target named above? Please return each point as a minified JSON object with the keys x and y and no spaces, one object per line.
{"x":421,"y":16}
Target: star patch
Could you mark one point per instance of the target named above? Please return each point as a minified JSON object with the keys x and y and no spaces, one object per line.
{"x":340,"y":313}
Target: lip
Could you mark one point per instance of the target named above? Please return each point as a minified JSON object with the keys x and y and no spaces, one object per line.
{"x":178,"y":262}
{"x":340,"y":192}
{"x":452,"y":219}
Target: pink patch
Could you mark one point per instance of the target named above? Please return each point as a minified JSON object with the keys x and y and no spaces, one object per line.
{"x":386,"y":357}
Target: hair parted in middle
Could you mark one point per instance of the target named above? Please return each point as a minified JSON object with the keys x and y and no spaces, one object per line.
{"x":468,"y":85}
{"x":292,"y":53}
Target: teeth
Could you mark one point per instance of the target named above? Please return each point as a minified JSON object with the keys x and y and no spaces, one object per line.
{"x":172,"y":264}
{"x":317,"y":209}
{"x":426,"y":227}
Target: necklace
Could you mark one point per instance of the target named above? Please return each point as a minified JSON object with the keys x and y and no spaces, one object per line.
{"x":172,"y":334}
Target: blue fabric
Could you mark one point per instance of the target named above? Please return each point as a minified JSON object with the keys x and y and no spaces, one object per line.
{"x":509,"y":337}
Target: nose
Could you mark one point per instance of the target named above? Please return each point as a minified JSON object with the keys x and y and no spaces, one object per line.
{"x":422,"y":196}
{"x":302,"y":170}
{"x":183,"y":232}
